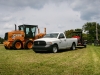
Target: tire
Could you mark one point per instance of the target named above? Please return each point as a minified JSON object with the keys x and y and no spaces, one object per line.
{"x":28,"y":44}
{"x":36,"y":51}
{"x":17,"y":44}
{"x":84,"y":46}
{"x":55,"y":49}
{"x":6,"y":48}
{"x":73,"y":47}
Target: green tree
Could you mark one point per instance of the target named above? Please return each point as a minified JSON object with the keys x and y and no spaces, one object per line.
{"x":78,"y":29}
{"x":68,"y":33}
{"x":1,"y":40}
{"x":90,"y":29}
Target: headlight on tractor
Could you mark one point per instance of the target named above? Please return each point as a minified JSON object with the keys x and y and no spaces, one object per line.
{"x":49,"y":43}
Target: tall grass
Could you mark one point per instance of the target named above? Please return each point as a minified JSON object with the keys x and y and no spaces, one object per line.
{"x":85,"y":61}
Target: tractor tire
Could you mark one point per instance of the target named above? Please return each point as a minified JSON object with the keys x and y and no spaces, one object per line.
{"x":6,"y":47}
{"x":28,"y":44}
{"x":17,"y":44}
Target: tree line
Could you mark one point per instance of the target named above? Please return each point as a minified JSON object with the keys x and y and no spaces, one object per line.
{"x":1,"y":40}
{"x":89,"y":31}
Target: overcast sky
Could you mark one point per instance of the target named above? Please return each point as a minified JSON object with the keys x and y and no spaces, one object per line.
{"x":55,"y":15}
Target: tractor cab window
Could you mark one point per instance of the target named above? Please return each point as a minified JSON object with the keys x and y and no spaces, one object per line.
{"x":29,"y":30}
{"x":21,"y":28}
{"x":33,"y":30}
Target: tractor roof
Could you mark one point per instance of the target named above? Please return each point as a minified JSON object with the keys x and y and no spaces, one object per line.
{"x":29,"y":25}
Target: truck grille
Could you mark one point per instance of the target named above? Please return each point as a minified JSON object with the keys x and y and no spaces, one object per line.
{"x":39,"y":43}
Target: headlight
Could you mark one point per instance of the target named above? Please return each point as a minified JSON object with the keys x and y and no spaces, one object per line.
{"x":49,"y":43}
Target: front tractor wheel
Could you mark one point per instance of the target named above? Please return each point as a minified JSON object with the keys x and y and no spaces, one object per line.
{"x":6,"y":47}
{"x":17,"y":45}
{"x":28,"y":44}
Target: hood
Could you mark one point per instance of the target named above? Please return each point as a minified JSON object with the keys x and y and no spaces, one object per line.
{"x":47,"y":39}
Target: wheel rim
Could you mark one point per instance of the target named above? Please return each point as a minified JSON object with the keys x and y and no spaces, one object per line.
{"x":29,"y":45}
{"x":18,"y":45}
{"x":54,"y":49}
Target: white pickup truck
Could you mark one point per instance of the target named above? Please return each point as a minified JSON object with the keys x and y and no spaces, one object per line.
{"x":53,"y":42}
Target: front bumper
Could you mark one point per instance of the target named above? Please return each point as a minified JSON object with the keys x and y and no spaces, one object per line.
{"x":43,"y":48}
{"x":7,"y":44}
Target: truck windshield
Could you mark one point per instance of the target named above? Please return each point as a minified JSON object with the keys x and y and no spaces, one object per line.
{"x":51,"y":35}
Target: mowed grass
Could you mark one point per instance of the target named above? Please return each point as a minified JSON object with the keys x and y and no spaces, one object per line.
{"x":85,"y":61}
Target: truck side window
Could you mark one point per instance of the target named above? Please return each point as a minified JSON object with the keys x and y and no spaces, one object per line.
{"x":61,"y":36}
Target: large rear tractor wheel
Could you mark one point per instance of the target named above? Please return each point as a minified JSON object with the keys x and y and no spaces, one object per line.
{"x":28,"y":44}
{"x":17,"y":45}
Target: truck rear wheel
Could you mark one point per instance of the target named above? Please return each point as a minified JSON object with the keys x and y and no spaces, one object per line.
{"x":73,"y":47}
{"x":28,"y":44}
{"x":55,"y":49}
{"x":17,"y":44}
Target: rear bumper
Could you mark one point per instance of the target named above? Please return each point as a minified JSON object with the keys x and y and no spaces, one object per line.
{"x":43,"y":48}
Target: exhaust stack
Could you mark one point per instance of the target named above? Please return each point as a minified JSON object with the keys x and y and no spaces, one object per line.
{"x":38,"y":31}
{"x":44,"y":30}
{"x":15,"y":27}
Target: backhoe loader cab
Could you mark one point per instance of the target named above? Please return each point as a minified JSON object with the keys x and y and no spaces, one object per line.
{"x":29,"y":30}
{"x":22,"y":38}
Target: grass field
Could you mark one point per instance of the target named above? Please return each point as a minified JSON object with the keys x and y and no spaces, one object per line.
{"x":85,"y":61}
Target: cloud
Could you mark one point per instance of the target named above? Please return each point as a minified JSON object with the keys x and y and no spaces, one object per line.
{"x":55,"y":15}
{"x":36,"y":4}
{"x":87,"y":8}
{"x":50,"y":16}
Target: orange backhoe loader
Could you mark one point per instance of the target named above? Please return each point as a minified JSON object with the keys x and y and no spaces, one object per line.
{"x":23,"y":37}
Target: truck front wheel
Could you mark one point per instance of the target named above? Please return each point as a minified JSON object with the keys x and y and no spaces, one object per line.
{"x":55,"y":49}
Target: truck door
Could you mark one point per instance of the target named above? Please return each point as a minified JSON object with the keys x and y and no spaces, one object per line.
{"x":62,"y":43}
{"x":68,"y":42}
